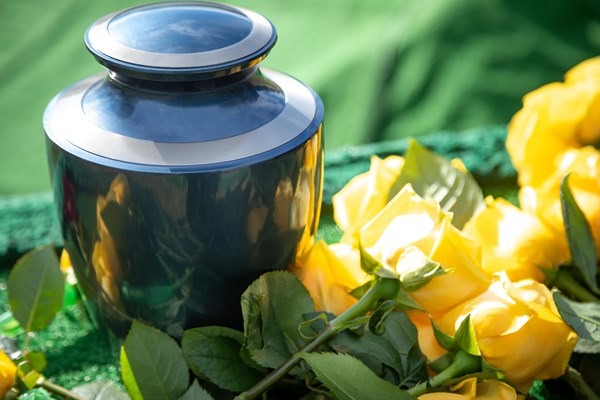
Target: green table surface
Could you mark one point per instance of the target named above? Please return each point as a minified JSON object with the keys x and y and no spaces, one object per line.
{"x":77,"y":354}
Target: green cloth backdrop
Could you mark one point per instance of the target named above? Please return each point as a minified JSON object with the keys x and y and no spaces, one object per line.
{"x":384,"y":68}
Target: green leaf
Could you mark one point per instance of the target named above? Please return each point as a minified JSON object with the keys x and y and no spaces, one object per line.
{"x":368,"y":263}
{"x":587,"y":346}
{"x":433,"y":177}
{"x":349,"y":379}
{"x":361,"y":290}
{"x":465,"y":337}
{"x":128,"y":378}
{"x":28,"y":376}
{"x":386,"y":273}
{"x":195,"y":392}
{"x":584,"y":318}
{"x":273,"y":307}
{"x":372,"y":266}
{"x":155,"y":363}
{"x":320,"y":319}
{"x":37,"y":359}
{"x":396,"y":349}
{"x":100,"y":391}
{"x":377,"y":319}
{"x":446,"y":341}
{"x":579,"y":236}
{"x":213,"y":352}
{"x":417,"y":270}
{"x":36,"y":289}
{"x":405,"y":302}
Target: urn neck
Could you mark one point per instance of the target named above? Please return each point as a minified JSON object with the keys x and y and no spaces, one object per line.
{"x":126,"y":81}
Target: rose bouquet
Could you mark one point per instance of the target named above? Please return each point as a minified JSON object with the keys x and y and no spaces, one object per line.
{"x":432,"y":292}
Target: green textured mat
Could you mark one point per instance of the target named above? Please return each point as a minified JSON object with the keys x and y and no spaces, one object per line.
{"x":77,"y":354}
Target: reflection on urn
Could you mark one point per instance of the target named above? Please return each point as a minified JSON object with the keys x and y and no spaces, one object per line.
{"x":105,"y":260}
{"x":177,"y":250}
{"x":187,"y":175}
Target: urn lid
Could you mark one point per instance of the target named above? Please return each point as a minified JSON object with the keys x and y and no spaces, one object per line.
{"x":184,"y":93}
{"x":180,"y":40}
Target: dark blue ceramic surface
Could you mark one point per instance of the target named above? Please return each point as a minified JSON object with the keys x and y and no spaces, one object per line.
{"x":181,"y":180}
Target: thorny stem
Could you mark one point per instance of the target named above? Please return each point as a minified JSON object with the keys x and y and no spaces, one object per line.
{"x":385,"y":289}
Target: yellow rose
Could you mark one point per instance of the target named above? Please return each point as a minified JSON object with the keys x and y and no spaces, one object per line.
{"x":544,"y":201}
{"x":515,"y":242}
{"x":8,"y":374}
{"x":544,"y":128}
{"x":365,"y":195}
{"x":533,"y":292}
{"x":469,"y":389}
{"x":555,"y":118}
{"x":330,"y":273}
{"x":526,"y":340}
{"x":586,"y":76}
{"x":584,"y":70}
{"x":410,"y":222}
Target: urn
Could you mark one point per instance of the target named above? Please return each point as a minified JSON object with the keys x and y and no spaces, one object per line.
{"x":183,"y":171}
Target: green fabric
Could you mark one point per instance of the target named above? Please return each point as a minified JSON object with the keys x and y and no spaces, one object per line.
{"x":77,"y":354}
{"x":26,"y":221}
{"x":385,"y":69}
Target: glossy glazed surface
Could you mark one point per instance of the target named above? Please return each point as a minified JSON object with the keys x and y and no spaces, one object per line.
{"x":181,"y":29}
{"x":177,"y":250}
{"x":185,"y":172}
{"x":180,"y":41}
{"x":183,"y":126}
{"x":165,"y":112}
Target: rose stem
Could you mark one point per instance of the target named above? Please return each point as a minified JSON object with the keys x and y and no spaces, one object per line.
{"x":464,"y":363}
{"x":58,"y":390}
{"x":579,"y":384}
{"x":382,"y":290}
{"x":565,"y":282}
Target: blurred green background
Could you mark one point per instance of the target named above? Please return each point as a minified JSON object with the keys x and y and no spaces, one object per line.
{"x":384,"y":68}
